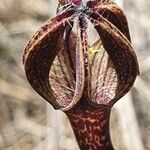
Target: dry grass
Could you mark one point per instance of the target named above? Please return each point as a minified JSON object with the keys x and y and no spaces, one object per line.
{"x":27,"y":121}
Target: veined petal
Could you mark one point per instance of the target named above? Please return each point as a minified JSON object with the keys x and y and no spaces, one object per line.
{"x":40,"y":53}
{"x":114,"y":14}
{"x":104,"y":80}
{"x":79,"y":72}
{"x":122,"y":56}
{"x":103,"y":74}
{"x":62,"y":77}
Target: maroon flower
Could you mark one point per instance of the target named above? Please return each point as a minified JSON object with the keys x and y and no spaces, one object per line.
{"x":82,"y":62}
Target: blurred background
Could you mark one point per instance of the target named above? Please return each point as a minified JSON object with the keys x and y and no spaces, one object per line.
{"x":27,"y":122}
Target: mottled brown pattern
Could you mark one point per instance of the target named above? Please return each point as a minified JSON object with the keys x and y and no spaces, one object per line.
{"x":123,"y":60}
{"x":116,"y":16}
{"x":41,"y":50}
{"x":91,"y":126}
{"x":84,"y":84}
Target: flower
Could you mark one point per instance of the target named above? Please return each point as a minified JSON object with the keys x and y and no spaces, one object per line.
{"x":65,"y":64}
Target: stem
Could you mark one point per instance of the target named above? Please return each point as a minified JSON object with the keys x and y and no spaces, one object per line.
{"x":91,"y":126}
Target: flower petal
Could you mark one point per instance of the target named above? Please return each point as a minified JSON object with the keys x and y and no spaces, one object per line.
{"x":79,"y":72}
{"x":62,"y":77}
{"x":121,"y":54}
{"x":114,"y":14}
{"x":40,"y":53}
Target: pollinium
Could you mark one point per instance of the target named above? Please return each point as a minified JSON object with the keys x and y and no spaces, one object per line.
{"x":82,"y":62}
